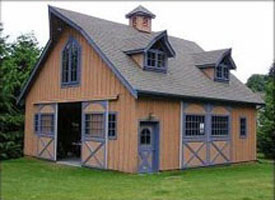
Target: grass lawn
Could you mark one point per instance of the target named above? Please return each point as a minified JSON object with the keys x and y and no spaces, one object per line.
{"x":26,"y":179}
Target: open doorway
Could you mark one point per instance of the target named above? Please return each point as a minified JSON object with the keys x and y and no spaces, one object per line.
{"x":69,"y":133}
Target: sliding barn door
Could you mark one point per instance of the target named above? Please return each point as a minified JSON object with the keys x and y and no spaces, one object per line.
{"x":94,"y":134}
{"x":46,"y":131}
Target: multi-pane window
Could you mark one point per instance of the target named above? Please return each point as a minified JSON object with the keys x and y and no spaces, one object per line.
{"x":156,"y":59}
{"x":194,"y":125}
{"x":44,"y":124}
{"x":222,"y":72}
{"x":70,"y":63}
{"x":145,"y":137}
{"x":112,"y":125}
{"x":220,"y":125}
{"x":243,"y":126}
{"x":94,"y":125}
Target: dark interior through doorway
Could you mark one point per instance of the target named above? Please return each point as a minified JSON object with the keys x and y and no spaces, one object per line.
{"x":69,"y":132}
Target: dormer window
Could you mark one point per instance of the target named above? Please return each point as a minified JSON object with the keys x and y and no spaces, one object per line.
{"x":70,"y":63}
{"x":156,"y":58}
{"x":222,"y":72}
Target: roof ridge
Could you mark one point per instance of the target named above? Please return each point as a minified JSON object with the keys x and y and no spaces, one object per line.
{"x":96,"y":18}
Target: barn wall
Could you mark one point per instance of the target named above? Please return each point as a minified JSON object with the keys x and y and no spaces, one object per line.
{"x":97,"y":81}
{"x":244,"y":149}
{"x":168,"y":114}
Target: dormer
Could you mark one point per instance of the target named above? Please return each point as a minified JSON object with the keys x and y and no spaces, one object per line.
{"x":141,"y":19}
{"x":153,"y":56}
{"x":216,"y":65}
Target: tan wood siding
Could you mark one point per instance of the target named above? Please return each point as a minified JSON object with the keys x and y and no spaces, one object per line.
{"x":168,"y":114}
{"x":96,"y":82}
{"x":244,"y":149}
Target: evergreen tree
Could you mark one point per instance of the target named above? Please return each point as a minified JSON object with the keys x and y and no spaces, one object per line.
{"x":17,"y":60}
{"x":266,"y":125}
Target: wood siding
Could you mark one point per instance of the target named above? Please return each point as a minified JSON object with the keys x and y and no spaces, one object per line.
{"x":96,"y":82}
{"x":168,"y":114}
{"x":244,"y":149}
{"x":209,"y":72}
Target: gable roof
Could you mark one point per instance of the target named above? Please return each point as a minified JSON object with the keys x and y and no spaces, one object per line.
{"x":140,"y":10}
{"x":183,"y":78}
{"x":145,"y":44}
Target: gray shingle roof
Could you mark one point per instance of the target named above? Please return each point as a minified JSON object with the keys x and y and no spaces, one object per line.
{"x":140,"y":10}
{"x":208,"y":57}
{"x":182,"y":79}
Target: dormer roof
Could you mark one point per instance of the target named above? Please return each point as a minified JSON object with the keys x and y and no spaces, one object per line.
{"x":212,"y":58}
{"x":146,"y":43}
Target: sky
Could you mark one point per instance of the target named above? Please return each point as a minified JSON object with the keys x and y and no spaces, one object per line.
{"x":246,"y":27}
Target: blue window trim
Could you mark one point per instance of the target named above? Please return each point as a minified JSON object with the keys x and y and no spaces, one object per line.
{"x":228,"y":126}
{"x":222,"y":78}
{"x":240,"y":127}
{"x":185,"y":129}
{"x":103,"y":121}
{"x":155,"y":68}
{"x":78,"y":71}
{"x":37,"y":127}
{"x":116,"y":122}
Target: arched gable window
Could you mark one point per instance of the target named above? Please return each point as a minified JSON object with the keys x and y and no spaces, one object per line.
{"x":71,"y":63}
{"x":156,"y":58}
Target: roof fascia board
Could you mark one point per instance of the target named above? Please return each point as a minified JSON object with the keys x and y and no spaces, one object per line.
{"x":226,"y":53}
{"x":98,"y":50}
{"x":167,"y":43}
{"x":161,"y":94}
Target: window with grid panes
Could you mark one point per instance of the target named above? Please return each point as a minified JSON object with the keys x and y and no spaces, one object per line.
{"x":112,"y":125}
{"x":194,"y":125}
{"x":46,"y":124}
{"x":94,"y":125}
{"x":220,"y":126}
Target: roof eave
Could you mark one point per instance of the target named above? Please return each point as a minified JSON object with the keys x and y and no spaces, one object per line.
{"x":161,"y":94}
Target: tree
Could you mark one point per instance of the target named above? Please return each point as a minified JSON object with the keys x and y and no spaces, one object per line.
{"x":266,"y":125}
{"x":257,"y":82}
{"x":17,"y":60}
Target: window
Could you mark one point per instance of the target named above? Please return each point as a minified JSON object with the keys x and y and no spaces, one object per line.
{"x":36,"y":123}
{"x":44,"y":124}
{"x":145,"y":137}
{"x":156,"y":59}
{"x":243,"y":127}
{"x":219,"y":125}
{"x":145,"y":21}
{"x":194,"y":125}
{"x":94,"y":125}
{"x":112,"y":125}
{"x":70,"y":63}
{"x":222,"y":72}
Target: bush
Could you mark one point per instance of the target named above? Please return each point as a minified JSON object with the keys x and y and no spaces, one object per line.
{"x":11,"y":145}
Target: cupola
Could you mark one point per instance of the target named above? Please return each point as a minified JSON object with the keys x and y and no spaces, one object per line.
{"x":141,"y":19}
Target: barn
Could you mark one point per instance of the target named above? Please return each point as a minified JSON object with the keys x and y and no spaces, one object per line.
{"x":123,"y":97}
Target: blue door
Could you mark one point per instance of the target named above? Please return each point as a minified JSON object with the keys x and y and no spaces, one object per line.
{"x":148,"y":147}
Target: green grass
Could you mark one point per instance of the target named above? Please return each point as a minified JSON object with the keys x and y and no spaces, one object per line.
{"x":26,"y":179}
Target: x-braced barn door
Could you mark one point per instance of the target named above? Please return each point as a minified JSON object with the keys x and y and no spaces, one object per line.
{"x":46,"y":131}
{"x":206,"y":137}
{"x":94,"y":134}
